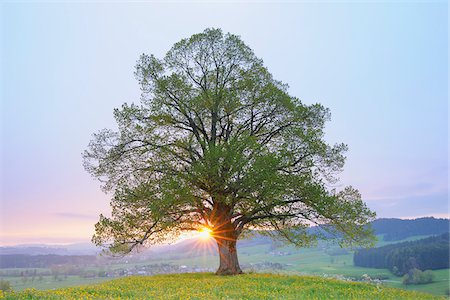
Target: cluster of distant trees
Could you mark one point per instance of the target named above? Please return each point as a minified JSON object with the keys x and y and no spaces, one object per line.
{"x":397,"y":229}
{"x":429,"y":253}
{"x":5,"y":285}
{"x":43,"y":261}
{"x":416,"y":276}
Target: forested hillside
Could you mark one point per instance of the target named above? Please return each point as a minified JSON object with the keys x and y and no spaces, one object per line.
{"x":398,"y":229}
{"x":430,"y":253}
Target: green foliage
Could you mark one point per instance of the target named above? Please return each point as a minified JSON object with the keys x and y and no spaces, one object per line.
{"x":5,"y":285}
{"x":416,"y":276}
{"x":217,"y":142}
{"x":208,"y":286}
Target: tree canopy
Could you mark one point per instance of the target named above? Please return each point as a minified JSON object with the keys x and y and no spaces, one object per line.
{"x":217,"y":142}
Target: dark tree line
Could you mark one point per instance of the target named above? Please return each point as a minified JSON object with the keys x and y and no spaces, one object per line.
{"x":397,"y":229}
{"x":43,"y":261}
{"x":430,"y":253}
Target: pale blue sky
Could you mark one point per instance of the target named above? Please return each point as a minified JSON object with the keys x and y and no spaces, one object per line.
{"x":382,"y":69}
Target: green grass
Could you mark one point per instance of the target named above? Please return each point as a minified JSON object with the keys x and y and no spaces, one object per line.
{"x":381,"y":242}
{"x":303,"y":261}
{"x":48,"y":282}
{"x":209,"y":286}
{"x":437,"y":287}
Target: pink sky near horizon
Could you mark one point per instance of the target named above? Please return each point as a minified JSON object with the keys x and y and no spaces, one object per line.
{"x":81,"y":233}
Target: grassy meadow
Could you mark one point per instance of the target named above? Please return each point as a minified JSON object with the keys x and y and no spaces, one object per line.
{"x":48,"y":282}
{"x":209,"y":286}
{"x":324,"y":261}
{"x":314,"y":261}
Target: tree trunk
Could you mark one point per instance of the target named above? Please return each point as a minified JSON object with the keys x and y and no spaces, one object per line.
{"x":229,"y":264}
{"x":226,"y":237}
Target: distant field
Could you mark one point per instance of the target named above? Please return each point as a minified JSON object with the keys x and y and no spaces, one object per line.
{"x":209,"y":286}
{"x":438,"y":287}
{"x":48,"y":282}
{"x":315,"y":261}
{"x":253,"y":258}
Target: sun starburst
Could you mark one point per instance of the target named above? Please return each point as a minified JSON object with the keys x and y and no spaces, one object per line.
{"x":204,"y":233}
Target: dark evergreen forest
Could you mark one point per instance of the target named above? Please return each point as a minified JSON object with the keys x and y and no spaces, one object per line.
{"x":398,"y":229}
{"x":426,"y":254}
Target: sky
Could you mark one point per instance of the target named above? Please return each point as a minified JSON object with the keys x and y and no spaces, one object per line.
{"x":381,"y":67}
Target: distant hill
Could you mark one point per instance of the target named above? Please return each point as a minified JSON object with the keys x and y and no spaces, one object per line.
{"x":398,"y":229}
{"x":43,"y":261}
{"x":33,"y":250}
{"x":391,"y":229}
{"x":43,"y":249}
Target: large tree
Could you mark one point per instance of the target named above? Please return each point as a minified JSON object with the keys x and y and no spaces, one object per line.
{"x":217,"y":143}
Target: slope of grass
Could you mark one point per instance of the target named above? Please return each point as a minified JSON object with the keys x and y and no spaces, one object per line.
{"x":303,"y":261}
{"x":209,"y":286}
{"x":439,"y":285}
{"x":48,"y":282}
